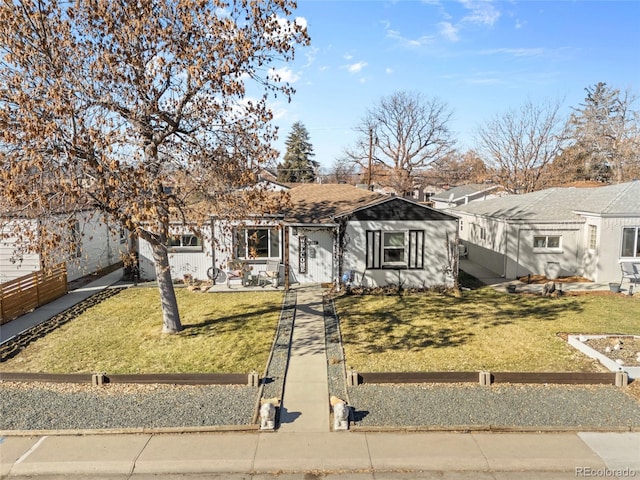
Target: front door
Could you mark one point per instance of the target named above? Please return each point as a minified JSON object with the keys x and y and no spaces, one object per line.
{"x":312,"y":255}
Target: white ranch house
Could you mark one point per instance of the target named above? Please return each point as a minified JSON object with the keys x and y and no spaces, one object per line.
{"x":98,"y":245}
{"x":563,"y":231}
{"x":332,"y":230}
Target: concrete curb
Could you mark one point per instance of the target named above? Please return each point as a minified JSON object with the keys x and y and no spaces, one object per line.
{"x":130,"y":431}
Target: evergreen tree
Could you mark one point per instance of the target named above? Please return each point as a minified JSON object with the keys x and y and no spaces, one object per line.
{"x":298,"y":165}
{"x":605,"y":130}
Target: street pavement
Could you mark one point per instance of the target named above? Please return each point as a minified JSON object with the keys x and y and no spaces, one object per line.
{"x":305,"y":448}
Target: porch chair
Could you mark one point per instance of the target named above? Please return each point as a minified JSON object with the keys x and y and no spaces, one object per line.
{"x":630,"y":271}
{"x":271,"y":274}
{"x":237,"y":270}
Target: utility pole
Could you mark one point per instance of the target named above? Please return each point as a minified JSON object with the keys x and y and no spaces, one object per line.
{"x":370,"y":158}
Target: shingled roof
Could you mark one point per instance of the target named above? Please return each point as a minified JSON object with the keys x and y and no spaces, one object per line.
{"x":463,"y":191}
{"x":561,"y":204}
{"x":320,"y":203}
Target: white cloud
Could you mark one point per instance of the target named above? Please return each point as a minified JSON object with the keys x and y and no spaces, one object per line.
{"x":388,"y":71}
{"x":284,"y":74}
{"x":482,"y":12}
{"x":409,"y":42}
{"x":301,"y":22}
{"x":347,"y":56}
{"x":356,"y":67}
{"x":449,"y":31}
{"x":514,"y":52}
{"x":282,"y":27}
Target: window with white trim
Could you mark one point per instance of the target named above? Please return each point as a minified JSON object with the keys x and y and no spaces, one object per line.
{"x":76,"y":240}
{"x":592,"y":232}
{"x":395,"y":249}
{"x":479,"y":232}
{"x":546,"y":242}
{"x":631,"y":242}
{"x":187,"y":242}
{"x":258,"y":242}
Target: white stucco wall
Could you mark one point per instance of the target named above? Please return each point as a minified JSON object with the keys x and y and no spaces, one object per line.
{"x":99,"y":246}
{"x":15,"y":261}
{"x":434,"y":248}
{"x":610,"y":247}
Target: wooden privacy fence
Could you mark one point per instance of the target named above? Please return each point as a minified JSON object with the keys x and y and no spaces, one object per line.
{"x":23,"y":294}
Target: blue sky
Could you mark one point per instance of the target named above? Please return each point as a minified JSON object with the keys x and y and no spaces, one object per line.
{"x":481,"y":57}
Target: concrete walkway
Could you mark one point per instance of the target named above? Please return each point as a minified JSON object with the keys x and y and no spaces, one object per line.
{"x":305,"y":406}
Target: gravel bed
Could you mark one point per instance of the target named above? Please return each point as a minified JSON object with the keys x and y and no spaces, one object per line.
{"x":624,"y":348}
{"x":273,"y":383}
{"x":71,"y":407}
{"x":444,"y":405}
{"x":336,"y":371}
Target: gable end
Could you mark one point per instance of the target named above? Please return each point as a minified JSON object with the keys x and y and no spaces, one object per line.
{"x":399,"y":209}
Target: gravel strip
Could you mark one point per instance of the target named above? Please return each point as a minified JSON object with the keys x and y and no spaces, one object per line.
{"x":593,"y":406}
{"x":336,"y":372}
{"x":58,"y":407}
{"x":273,"y":382}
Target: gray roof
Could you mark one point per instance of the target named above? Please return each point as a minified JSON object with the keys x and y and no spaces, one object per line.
{"x":562,"y":204}
{"x":462,"y":191}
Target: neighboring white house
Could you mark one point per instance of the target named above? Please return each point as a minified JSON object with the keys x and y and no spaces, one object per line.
{"x":571,"y":231}
{"x":97,"y":245}
{"x":330,"y":230}
{"x":464,"y":194}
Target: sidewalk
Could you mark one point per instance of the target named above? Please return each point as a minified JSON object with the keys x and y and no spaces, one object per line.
{"x":304,"y":447}
{"x":346,"y":454}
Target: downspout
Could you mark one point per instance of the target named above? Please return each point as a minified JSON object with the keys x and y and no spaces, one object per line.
{"x":518,"y":252}
{"x":506,"y":247}
{"x":287,"y":285}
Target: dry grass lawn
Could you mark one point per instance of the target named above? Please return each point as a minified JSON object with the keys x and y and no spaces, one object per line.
{"x":223,"y":333}
{"x":483,"y":330}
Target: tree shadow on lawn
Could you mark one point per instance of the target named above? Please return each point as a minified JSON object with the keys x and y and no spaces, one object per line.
{"x":441,"y":321}
{"x":213,"y":325}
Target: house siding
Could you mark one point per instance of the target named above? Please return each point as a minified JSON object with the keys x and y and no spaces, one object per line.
{"x":609,"y":257}
{"x":11,"y":265}
{"x":98,"y":248}
{"x":182,"y":262}
{"x":434,"y":249}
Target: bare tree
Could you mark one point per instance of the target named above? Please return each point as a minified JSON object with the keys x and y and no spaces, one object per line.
{"x":343,"y":171}
{"x":519,"y":144}
{"x":404,"y":133}
{"x":107,"y":103}
{"x":461,"y":168}
{"x":606,"y":132}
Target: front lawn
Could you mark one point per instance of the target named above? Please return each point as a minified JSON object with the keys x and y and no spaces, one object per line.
{"x":223,"y":333}
{"x":483,"y":330}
